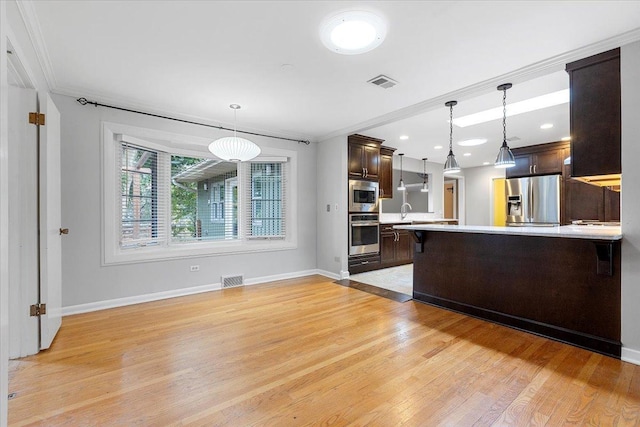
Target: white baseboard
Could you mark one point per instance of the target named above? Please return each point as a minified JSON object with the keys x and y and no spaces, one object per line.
{"x":631,"y":355}
{"x":328,"y":274}
{"x":138,"y":299}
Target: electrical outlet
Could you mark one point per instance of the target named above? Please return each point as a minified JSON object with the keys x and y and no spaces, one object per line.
{"x":336,"y":207}
{"x":328,"y":208}
{"x":195,"y":268}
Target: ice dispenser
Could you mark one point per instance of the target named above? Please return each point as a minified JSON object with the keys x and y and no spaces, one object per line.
{"x":514,"y":205}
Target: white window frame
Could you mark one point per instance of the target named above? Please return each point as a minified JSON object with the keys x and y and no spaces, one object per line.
{"x":185,"y":145}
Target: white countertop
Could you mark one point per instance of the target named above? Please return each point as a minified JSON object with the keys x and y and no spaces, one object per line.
{"x":409,"y":220}
{"x":566,"y":231}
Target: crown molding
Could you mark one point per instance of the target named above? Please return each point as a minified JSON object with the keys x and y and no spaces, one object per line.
{"x":32,"y":24}
{"x":538,"y":69}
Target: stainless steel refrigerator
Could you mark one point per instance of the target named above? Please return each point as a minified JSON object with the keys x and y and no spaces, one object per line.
{"x":533,"y":200}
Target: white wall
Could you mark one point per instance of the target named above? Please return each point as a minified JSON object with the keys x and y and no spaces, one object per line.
{"x":85,"y":281}
{"x":630,"y":64}
{"x":479,"y":193}
{"x":4,"y":215}
{"x":332,"y":187}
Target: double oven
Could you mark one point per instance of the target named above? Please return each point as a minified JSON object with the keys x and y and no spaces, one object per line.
{"x":364,"y":227}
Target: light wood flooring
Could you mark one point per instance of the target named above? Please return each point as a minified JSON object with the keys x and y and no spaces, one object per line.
{"x":311,"y":352}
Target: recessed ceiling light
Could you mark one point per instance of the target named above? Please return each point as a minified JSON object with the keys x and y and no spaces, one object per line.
{"x":472,"y":142}
{"x":486,"y":163}
{"x":403,"y":137}
{"x":438,"y":147}
{"x":566,"y":138}
{"x":532,"y":104}
{"x":353,"y":32}
{"x":546,"y":126}
{"x":466,"y":154}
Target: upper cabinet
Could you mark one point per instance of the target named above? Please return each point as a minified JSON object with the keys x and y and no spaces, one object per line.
{"x":595,"y":116}
{"x":542,"y":159}
{"x":364,"y":157}
{"x":386,"y":172}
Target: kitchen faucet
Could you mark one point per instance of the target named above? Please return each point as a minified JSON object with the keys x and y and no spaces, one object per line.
{"x":403,"y":211}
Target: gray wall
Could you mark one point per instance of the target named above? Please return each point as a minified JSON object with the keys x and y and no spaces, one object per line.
{"x":479,"y":193}
{"x":630,"y":64}
{"x":331,"y":191}
{"x":84,"y":280}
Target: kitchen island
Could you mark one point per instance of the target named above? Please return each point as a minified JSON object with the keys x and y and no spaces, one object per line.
{"x":559,"y":282}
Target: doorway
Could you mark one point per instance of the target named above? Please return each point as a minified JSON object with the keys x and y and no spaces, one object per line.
{"x":450,"y":210}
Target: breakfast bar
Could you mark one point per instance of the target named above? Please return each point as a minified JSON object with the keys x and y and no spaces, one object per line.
{"x":559,"y":282}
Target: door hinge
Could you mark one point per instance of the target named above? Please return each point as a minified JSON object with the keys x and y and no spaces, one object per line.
{"x":36,"y":119}
{"x":38,"y":309}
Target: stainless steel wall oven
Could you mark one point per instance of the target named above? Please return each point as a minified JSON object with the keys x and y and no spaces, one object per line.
{"x":364,"y":234}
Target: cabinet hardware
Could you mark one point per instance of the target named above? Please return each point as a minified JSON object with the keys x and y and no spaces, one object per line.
{"x":530,"y":170}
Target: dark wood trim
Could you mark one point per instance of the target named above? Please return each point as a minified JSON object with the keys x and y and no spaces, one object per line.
{"x":588,"y":342}
{"x":381,"y":292}
{"x":592,"y":60}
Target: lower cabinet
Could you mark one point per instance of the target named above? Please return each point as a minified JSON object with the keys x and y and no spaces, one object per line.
{"x":396,"y":246}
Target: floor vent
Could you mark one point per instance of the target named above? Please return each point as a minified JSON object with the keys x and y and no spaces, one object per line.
{"x":232,"y":281}
{"x":383,"y":81}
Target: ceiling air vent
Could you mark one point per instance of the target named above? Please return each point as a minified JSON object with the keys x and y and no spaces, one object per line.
{"x":383,"y":81}
{"x":513,"y":139}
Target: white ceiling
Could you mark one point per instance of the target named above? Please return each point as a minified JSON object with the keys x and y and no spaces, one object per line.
{"x":191,"y":59}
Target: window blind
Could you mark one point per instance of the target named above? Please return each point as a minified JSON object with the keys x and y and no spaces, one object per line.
{"x":265,"y":188}
{"x":141,"y":213}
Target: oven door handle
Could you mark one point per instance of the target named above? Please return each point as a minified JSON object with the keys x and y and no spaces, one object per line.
{"x":363,"y":224}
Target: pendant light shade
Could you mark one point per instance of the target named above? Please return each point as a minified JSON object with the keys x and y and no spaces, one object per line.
{"x":505,"y":157}
{"x":425,"y":184}
{"x":451,"y":165}
{"x":233,"y":148}
{"x":401,"y":186}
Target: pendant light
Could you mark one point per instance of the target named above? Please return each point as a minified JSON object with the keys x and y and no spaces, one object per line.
{"x":451,"y":165}
{"x":233,"y":148}
{"x":425,"y":188}
{"x":505,"y":157}
{"x":401,"y":186}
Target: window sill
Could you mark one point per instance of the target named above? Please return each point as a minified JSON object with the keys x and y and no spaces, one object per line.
{"x":194,"y":250}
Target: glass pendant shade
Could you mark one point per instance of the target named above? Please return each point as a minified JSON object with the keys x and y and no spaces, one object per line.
{"x":451,"y":165}
{"x":233,"y":148}
{"x":401,"y":186}
{"x":505,"y":157}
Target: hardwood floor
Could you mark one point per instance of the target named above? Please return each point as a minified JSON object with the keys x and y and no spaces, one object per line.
{"x":311,"y":352}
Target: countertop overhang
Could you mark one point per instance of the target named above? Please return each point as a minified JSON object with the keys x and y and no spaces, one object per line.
{"x":410,"y":221}
{"x":566,"y":231}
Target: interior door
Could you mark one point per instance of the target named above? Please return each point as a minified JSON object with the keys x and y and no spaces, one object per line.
{"x":23,"y":220}
{"x":50,"y":223}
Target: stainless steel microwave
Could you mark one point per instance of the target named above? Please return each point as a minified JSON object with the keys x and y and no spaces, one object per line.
{"x":363,"y":196}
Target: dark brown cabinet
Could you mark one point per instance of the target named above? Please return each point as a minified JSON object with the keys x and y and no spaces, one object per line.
{"x":542,"y":159}
{"x":385,"y":180}
{"x":396,"y":246}
{"x":364,"y":157}
{"x":595,"y":115}
{"x":589,"y":202}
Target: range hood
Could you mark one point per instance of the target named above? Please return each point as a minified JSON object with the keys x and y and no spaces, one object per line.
{"x":611,"y":181}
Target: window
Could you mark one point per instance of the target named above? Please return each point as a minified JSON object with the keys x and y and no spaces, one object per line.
{"x":175,"y":202}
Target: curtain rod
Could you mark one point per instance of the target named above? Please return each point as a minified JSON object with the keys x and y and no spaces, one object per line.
{"x":84,"y":101}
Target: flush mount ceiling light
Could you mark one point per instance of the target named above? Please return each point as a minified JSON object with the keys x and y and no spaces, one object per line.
{"x":233,"y":148}
{"x":451,"y":165}
{"x":472,"y":142}
{"x":528,"y":105}
{"x":401,"y":186}
{"x":353,"y":32}
{"x":505,"y":157}
{"x":425,"y":187}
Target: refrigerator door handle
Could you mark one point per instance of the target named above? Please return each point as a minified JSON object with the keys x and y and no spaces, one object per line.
{"x":531,"y":201}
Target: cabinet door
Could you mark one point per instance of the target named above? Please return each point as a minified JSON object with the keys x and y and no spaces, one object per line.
{"x":595,"y":114}
{"x":371,"y":162}
{"x":547,"y":162}
{"x":386,"y":177}
{"x":404,"y":247}
{"x":356,"y":155}
{"x":523,"y":166}
{"x":387,"y":247}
